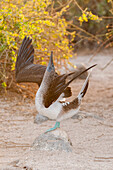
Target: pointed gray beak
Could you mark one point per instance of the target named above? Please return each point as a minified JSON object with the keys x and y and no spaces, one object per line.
{"x":50,"y":65}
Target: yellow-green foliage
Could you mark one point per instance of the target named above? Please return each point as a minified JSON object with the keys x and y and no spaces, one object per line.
{"x":110,"y":1}
{"x":35,"y":19}
{"x":86,"y":15}
{"x":109,"y":34}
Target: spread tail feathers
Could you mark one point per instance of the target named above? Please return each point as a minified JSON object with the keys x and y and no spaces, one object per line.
{"x":84,"y":88}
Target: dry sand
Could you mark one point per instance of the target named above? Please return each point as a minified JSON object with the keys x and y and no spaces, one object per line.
{"x":91,"y":136}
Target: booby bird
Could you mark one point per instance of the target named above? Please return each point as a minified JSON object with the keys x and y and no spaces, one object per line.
{"x":51,"y":92}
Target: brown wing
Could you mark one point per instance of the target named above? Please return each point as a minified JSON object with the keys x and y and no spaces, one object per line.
{"x":58,"y":86}
{"x":31,"y":73}
{"x":25,"y":70}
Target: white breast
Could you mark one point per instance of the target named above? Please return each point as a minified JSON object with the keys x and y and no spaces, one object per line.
{"x":52,"y":111}
{"x":69,"y":114}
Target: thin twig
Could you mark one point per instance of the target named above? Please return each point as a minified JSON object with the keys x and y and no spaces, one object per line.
{"x":104,"y":157}
{"x":107,"y":64}
{"x":82,"y":30}
{"x":10,"y":82}
{"x":63,"y":6}
{"x":106,"y":124}
{"x":26,"y":90}
{"x":105,"y":17}
{"x":78,"y":5}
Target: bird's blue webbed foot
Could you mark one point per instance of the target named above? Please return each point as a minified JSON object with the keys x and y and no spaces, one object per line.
{"x":57,"y":125}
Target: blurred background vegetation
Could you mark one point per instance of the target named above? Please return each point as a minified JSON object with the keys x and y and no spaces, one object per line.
{"x":59,"y":25}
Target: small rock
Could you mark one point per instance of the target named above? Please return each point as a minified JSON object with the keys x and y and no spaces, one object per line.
{"x":40,"y":119}
{"x":76,"y":116}
{"x":53,"y":140}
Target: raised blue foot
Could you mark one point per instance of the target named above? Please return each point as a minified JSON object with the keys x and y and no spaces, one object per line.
{"x":57,"y":125}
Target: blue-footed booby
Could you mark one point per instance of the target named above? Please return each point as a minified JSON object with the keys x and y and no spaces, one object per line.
{"x":51,"y":91}
{"x":52,"y":87}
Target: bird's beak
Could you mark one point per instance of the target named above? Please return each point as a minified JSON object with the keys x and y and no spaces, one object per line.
{"x":51,"y":64}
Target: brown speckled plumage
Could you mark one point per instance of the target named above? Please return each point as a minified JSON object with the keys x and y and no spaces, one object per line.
{"x":71,"y":105}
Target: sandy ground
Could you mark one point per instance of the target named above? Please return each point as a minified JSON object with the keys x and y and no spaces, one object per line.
{"x":91,"y":136}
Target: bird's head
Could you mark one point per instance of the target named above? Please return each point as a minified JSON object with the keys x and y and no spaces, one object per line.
{"x":50,"y":66}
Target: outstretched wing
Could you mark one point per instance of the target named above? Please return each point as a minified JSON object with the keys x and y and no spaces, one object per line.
{"x":25,"y":70}
{"x":58,"y":86}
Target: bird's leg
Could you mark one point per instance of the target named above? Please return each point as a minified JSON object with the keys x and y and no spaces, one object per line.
{"x":57,"y":125}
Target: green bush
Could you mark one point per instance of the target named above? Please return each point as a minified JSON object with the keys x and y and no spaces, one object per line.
{"x":32,"y":18}
{"x":90,"y":30}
